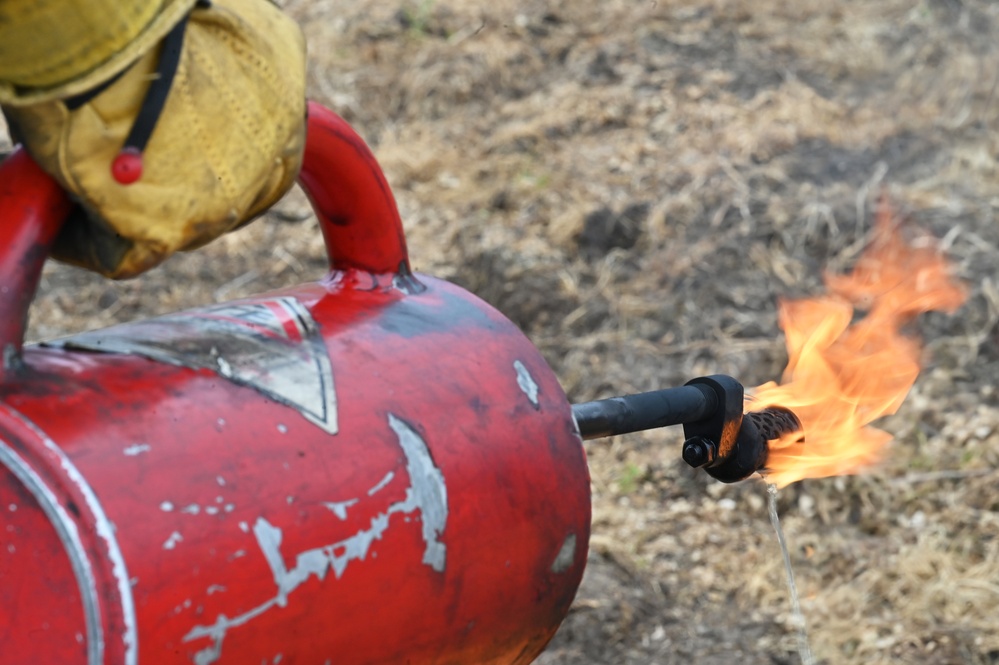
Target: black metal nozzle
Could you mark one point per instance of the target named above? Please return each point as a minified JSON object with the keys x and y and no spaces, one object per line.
{"x":651,"y":410}
{"x":740,"y":451}
{"x":775,"y":422}
{"x":751,"y":448}
{"x":719,"y":438}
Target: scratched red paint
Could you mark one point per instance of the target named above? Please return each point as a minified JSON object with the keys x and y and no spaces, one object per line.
{"x":426,"y":530}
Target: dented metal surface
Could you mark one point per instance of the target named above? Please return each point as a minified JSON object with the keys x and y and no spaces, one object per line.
{"x":210,"y":516}
{"x":272,"y":345}
{"x":239,"y":523}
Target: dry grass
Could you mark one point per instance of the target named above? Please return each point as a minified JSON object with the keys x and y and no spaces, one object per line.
{"x":635,"y":184}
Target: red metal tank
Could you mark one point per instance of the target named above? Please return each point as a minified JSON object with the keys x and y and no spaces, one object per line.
{"x":374,"y":468}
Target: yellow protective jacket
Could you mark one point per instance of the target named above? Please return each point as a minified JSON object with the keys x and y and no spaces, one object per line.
{"x":211,"y":94}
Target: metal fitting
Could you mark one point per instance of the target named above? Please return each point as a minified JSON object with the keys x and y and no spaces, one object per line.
{"x":699,"y":451}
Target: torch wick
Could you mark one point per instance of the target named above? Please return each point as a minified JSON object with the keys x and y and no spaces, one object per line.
{"x":804,"y":650}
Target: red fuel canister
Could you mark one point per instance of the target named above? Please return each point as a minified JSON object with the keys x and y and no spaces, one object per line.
{"x":374,"y":468}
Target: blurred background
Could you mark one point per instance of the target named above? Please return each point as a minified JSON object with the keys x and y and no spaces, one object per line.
{"x":635,"y":184}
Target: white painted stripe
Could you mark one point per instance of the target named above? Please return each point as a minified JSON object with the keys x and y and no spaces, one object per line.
{"x":104,"y":529}
{"x":65,"y":527}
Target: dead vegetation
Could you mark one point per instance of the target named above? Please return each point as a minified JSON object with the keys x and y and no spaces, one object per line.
{"x":635,"y":184}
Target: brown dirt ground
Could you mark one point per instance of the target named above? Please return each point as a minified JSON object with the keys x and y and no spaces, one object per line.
{"x":635,"y":184}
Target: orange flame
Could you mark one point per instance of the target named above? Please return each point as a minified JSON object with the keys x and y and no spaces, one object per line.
{"x":842,"y":373}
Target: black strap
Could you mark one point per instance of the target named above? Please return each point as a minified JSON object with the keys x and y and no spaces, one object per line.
{"x":159,"y":88}
{"x":76,"y":101}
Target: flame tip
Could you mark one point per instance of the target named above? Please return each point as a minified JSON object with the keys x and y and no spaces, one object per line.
{"x":845,"y":371}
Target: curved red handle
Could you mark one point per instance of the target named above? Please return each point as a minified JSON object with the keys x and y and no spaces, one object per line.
{"x":349,"y":192}
{"x":32,"y":209}
{"x":351,"y":197}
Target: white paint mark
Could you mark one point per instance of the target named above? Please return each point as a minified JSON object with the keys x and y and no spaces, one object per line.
{"x":105,"y":531}
{"x":566,"y":555}
{"x":225,"y":369}
{"x":229,"y":507}
{"x":282,"y":428}
{"x":237,"y":554}
{"x":221,"y":422}
{"x":339,"y":508}
{"x":290,"y":500}
{"x":12,"y":507}
{"x":219,"y":499}
{"x":187,"y":604}
{"x":382,"y":483}
{"x":79,"y":638}
{"x":166,"y":506}
{"x":244,"y":527}
{"x":427,"y":494}
{"x":217,"y":632}
{"x":220,"y":480}
{"x":137,"y":449}
{"x":211,"y":510}
{"x":277,"y":659}
{"x":172,"y":541}
{"x":11,"y":548}
{"x":134,"y":581}
{"x":216,"y":588}
{"x":526,"y":383}
{"x":192,"y":509}
{"x":427,"y":491}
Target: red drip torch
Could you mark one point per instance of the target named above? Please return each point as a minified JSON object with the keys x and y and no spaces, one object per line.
{"x":374,"y":468}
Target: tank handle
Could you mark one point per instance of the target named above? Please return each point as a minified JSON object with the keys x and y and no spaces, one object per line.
{"x":340,"y":175}
{"x":33,"y":208}
{"x":351,"y":197}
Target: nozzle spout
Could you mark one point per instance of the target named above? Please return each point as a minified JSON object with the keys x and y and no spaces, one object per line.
{"x":727,"y":444}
